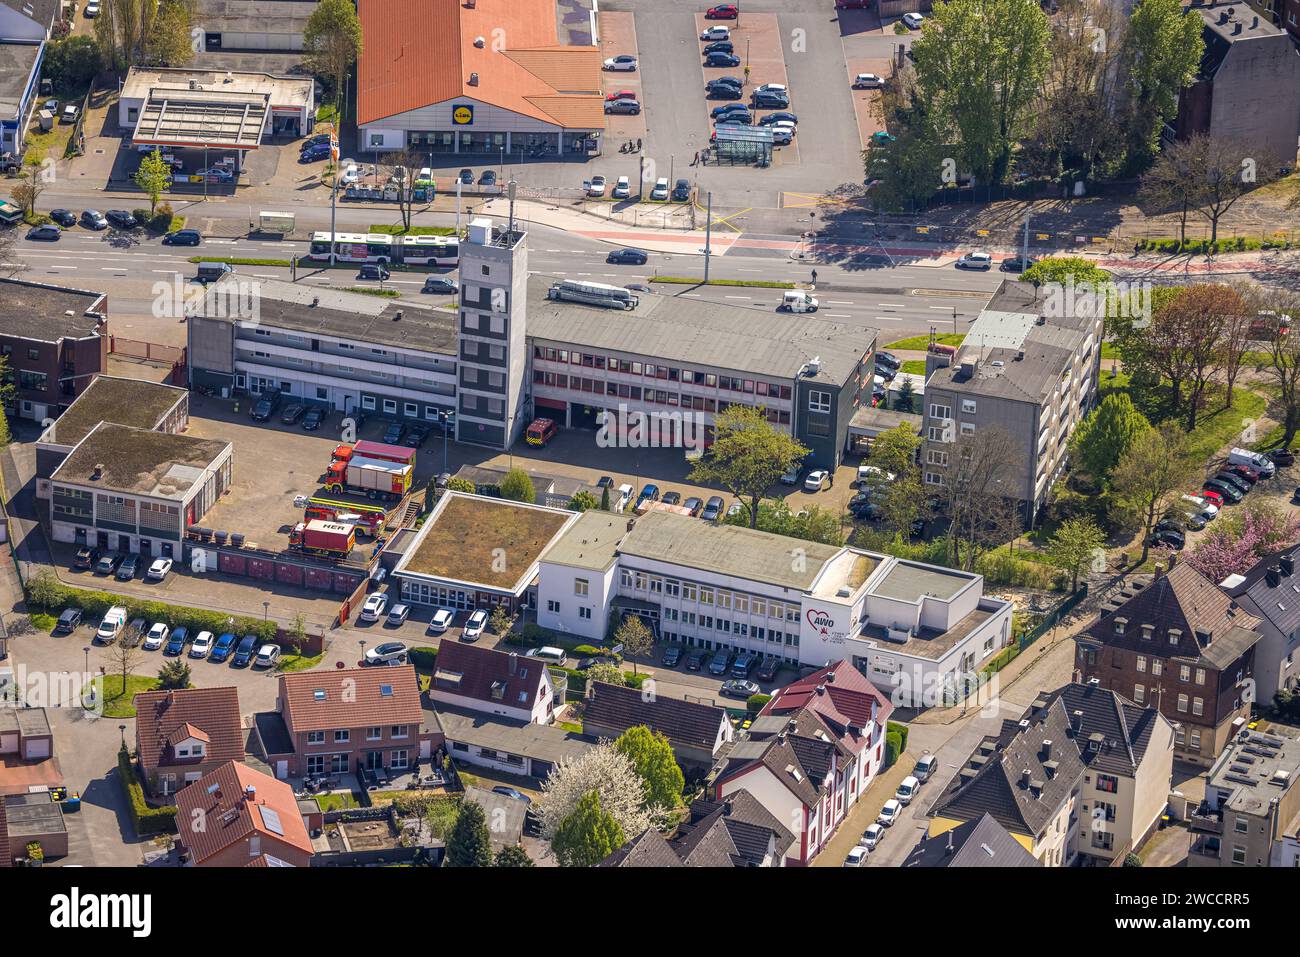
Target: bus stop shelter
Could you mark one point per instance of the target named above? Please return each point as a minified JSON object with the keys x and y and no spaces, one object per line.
{"x":743,"y":145}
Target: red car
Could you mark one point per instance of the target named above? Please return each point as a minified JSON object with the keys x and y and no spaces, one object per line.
{"x":621,"y":95}
{"x":1245,"y":471}
{"x":723,"y":11}
{"x":1211,"y":496}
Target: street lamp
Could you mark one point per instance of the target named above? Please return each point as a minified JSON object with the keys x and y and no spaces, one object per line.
{"x":266,"y":610}
{"x":87,"y":651}
{"x":445,"y":417}
{"x":362,"y":643}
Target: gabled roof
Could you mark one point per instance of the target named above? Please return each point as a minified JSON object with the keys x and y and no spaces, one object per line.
{"x":351,"y":698}
{"x":484,"y":674}
{"x":1278,"y":604}
{"x":707,"y":843}
{"x":647,"y":849}
{"x":1125,"y":727}
{"x":751,"y":826}
{"x":230,"y":812}
{"x":166,"y":718}
{"x":977,"y":843}
{"x":684,"y":723}
{"x":1188,"y":602}
{"x":411,"y":62}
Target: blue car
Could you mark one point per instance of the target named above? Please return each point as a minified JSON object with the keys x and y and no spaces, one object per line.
{"x":313,"y":154}
{"x":223,"y":647}
{"x":650,"y":493}
{"x":244,"y":653}
{"x":176,"y":644}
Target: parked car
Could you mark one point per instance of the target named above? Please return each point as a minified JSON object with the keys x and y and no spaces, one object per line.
{"x":121,"y":219}
{"x":628,"y":257}
{"x":1236,"y":481}
{"x":176,"y":643}
{"x":723,"y":91}
{"x":395,"y":432}
{"x":93,"y":219}
{"x":624,"y":62}
{"x":1017,"y":263}
{"x":907,"y":789}
{"x":373,"y":608}
{"x":107,"y":564}
{"x":465,"y":177}
{"x":741,"y":117}
{"x":975,"y":260}
{"x":312,"y":419}
{"x":68,"y":621}
{"x":719,"y":46}
{"x":620,"y":95}
{"x":398,"y":614}
{"x":649,"y":493}
{"x":694,"y":505}
{"x":769,"y":100}
{"x":660,"y":189}
{"x":510,"y":792}
{"x":202,"y":645}
{"x":739,"y":688}
{"x":672,"y":656}
{"x":92,"y":9}
{"x":222,"y":647}
{"x":782,"y":116}
{"x":1169,"y":538}
{"x":416,"y":435}
{"x":314,"y":154}
{"x":816,"y":480}
{"x":622,"y":188}
{"x":389,"y":653}
{"x":1280,"y":457}
{"x":474,"y":625}
{"x":292,"y":413}
{"x":682,"y":191}
{"x":157,"y":634}
{"x":720,"y":662}
{"x":868,"y":81}
{"x":85,"y":557}
{"x":488,"y":178}
{"x":715,"y":33}
{"x":913,"y":21}
{"x":183,"y":237}
{"x":721,"y":112}
{"x":64,"y":217}
{"x":47,"y":233}
{"x":712,"y":509}
{"x":127,"y":568}
{"x":723,"y":11}
{"x":925,"y":767}
{"x":1245,"y":472}
{"x":721,"y":59}
{"x":889,"y":813}
{"x":790,"y":476}
{"x":244,"y":651}
{"x":597,"y":186}
{"x":857,"y":856}
{"x":871,"y":836}
{"x":439,"y":286}
{"x":694,"y":661}
{"x":671,"y":498}
{"x":267,"y":656}
{"x":264,"y":407}
{"x":441,"y":621}
{"x":769,"y":669}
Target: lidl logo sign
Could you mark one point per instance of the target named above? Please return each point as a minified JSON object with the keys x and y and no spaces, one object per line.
{"x":462,"y":114}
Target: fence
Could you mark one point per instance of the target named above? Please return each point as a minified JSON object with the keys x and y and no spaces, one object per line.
{"x":140,"y":349}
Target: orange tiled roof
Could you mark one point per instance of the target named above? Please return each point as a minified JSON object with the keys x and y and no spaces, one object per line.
{"x":350,"y":698}
{"x":221,"y":802}
{"x":410,"y":62}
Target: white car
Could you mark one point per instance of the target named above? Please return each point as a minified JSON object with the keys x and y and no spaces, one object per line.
{"x":907,"y":789}
{"x":399,"y":614}
{"x":623,"y":188}
{"x":857,"y":857}
{"x":816,"y":480}
{"x":889,"y":813}
{"x":1209,"y":511}
{"x":597,"y":186}
{"x":374,"y":606}
{"x":790,"y":476}
{"x":621,"y":63}
{"x":975,"y":261}
{"x":913,"y":20}
{"x":474,"y":627}
{"x":267,"y":656}
{"x":867,"y":81}
{"x":772,"y":88}
{"x":716,"y":33}
{"x":157,"y":635}
{"x":782,"y":137}
{"x":70,"y":113}
{"x":786,"y":125}
{"x":202,"y":644}
{"x":389,"y":653}
{"x":92,"y":9}
{"x":660,"y":190}
{"x":441,"y":621}
{"x":350,"y":175}
{"x":159,"y":569}
{"x":869,"y":473}
{"x":871,"y":837}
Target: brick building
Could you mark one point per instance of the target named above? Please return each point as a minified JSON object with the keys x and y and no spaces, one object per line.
{"x":54,"y":342}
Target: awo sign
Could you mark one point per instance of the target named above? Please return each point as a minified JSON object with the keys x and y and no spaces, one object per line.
{"x":823,"y":623}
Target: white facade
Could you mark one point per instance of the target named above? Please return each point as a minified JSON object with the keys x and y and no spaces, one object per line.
{"x":542,"y":711}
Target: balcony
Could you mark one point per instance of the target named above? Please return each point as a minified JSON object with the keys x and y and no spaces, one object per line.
{"x":1205,"y":821}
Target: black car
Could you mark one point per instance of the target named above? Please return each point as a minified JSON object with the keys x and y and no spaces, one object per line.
{"x":489,"y":178}
{"x":292,"y":413}
{"x":721,"y":59}
{"x":183,"y":237}
{"x":126,"y":570}
{"x":416,"y":436}
{"x":743,"y":117}
{"x":312,"y":418}
{"x":769,"y":669}
{"x":68,"y":621}
{"x":120,"y":219}
{"x":723,"y":91}
{"x":628,"y":257}
{"x":1168,"y":537}
{"x":720,"y":46}
{"x":1277,"y":456}
{"x":1017,"y":263}
{"x":672,"y":655}
{"x":694,"y":661}
{"x":605,"y":481}
{"x":1230,"y":493}
{"x":466,"y":176}
{"x":1241,"y":484}
{"x":264,"y":408}
{"x":770,"y":101}
{"x":107,"y":564}
{"x":720,"y":111}
{"x":886,"y":372}
{"x":395,"y":433}
{"x":439,"y":286}
{"x":671,"y":498}
{"x":47,"y":233}
{"x":85,"y":557}
{"x":682,"y":190}
{"x":373,"y":271}
{"x":889,"y":360}
{"x":693,"y":505}
{"x":865,"y":510}
{"x":64,"y":217}
{"x":318,"y":139}
{"x":777,"y":118}
{"x":1192,"y":521}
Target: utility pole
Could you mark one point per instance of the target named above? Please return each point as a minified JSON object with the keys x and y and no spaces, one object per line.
{"x":334,"y":195}
{"x":954,"y":320}
{"x":708,"y":233}
{"x":458,"y":185}
{"x":1024,"y":255}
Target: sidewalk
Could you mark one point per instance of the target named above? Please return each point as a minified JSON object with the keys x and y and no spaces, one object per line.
{"x":863,"y":813}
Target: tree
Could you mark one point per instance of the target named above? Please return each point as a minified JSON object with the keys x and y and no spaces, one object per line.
{"x":1105,"y":435}
{"x":31,"y":184}
{"x":1151,"y":474}
{"x":1160,"y":55}
{"x":1235,"y":335}
{"x":906,"y":169}
{"x":588,"y":835}
{"x":584,"y":501}
{"x":72,"y":62}
{"x":812,"y":523}
{"x":981,"y":505}
{"x":896,"y":485}
{"x":1063,"y":270}
{"x":608,"y":672}
{"x":170,"y":38}
{"x":331,"y":42}
{"x":1170,"y":185}
{"x":906,"y":401}
{"x":979,"y":64}
{"x":747,"y":457}
{"x":461,"y":485}
{"x":635,"y":637}
{"x":1073,"y":545}
{"x":152,"y":177}
{"x":122,"y":31}
{"x":1185,"y":340}
{"x":1283,"y":365}
{"x":612,"y":776}
{"x":44,"y":590}
{"x":518,"y":487}
{"x":1238,"y":541}
{"x":604,"y":499}
{"x":652,"y":757}
{"x":122,"y":659}
{"x":512,"y":855}
{"x":1224,"y":171}
{"x":469,"y":844}
{"x":173,"y":675}
{"x":406,"y":165}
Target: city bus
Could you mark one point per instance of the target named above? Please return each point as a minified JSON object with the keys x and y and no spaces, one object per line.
{"x":353,"y":247}
{"x":429,"y":250}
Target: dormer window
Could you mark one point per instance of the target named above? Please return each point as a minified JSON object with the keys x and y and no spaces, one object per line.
{"x":1148,"y":632}
{"x":1175,"y":635}
{"x":1120,"y":625}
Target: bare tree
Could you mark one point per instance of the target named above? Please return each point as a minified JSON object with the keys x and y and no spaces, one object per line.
{"x":981,"y":503}
{"x":1170,"y":186}
{"x":1151,"y":475}
{"x":31,"y":184}
{"x":1226,"y":170}
{"x":1234,"y":335}
{"x":1284,"y":355}
{"x":406,"y":165}
{"x":1190,"y":332}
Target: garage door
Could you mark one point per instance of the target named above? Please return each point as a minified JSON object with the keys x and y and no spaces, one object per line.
{"x":9,"y":743}
{"x":38,"y":749}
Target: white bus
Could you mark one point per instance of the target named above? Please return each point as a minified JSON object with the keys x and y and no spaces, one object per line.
{"x":352,"y":247}
{"x":276,"y":222}
{"x":429,"y":250}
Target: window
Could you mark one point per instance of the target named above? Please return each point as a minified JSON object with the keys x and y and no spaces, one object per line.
{"x":1200,"y":676}
{"x":553,"y":606}
{"x":1241,"y":825}
{"x":315,"y":737}
{"x":1108,"y":783}
{"x":968,"y":428}
{"x":968,"y":406}
{"x":1238,"y":854}
{"x":400,"y":730}
{"x":374,"y":734}
{"x":819,"y":401}
{"x":390,"y":406}
{"x":933,"y":478}
{"x":368,"y":402}
{"x":1198,"y":706}
{"x":1141,"y":663}
{"x":1157,"y":667}
{"x":585,"y":613}
{"x":342,"y":737}
{"x":580,"y":587}
{"x":1194,"y":740}
{"x":1184,"y":673}
{"x":1182,"y":702}
{"x":941,"y":412}
{"x":933,"y":457}
{"x":1139,"y":694}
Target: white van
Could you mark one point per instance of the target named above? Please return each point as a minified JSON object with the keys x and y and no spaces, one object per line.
{"x":1254,"y":460}
{"x":907,"y":789}
{"x":796,"y":300}
{"x":624,"y":498}
{"x":548,"y":653}
{"x":112,"y":625}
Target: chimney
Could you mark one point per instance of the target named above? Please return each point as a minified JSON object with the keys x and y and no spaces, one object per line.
{"x":1024,"y":778}
{"x":98,"y":472}
{"x":250,"y":793}
{"x":830,"y":677}
{"x":1286,"y":565}
{"x":1273,"y":576}
{"x":630,"y":523}
{"x":514,"y":662}
{"x":1076,"y":718}
{"x":1047,"y":749}
{"x":949,"y":849}
{"x":821,"y":689}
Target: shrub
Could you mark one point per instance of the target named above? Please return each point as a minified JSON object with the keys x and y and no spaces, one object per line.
{"x":586,"y":651}
{"x":756,"y":702}
{"x":423,"y":657}
{"x":162,"y":218}
{"x":900,"y":730}
{"x":893,"y":747}
{"x":148,"y":820}
{"x":141,"y":215}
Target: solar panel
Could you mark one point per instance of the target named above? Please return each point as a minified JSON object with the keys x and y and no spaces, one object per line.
{"x":271,"y":818}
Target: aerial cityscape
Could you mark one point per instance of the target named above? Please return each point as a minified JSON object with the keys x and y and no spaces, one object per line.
{"x":500,"y":433}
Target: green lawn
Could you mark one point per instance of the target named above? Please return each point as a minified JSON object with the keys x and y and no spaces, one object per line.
{"x":369,"y":291}
{"x":914,"y":366}
{"x":43,"y":622}
{"x":919,"y":343}
{"x":1216,"y":426}
{"x":394,"y":229}
{"x":299,"y":662}
{"x":120,"y":702}
{"x":339,"y":801}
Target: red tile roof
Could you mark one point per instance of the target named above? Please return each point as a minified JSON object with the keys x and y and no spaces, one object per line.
{"x":218,"y":811}
{"x":351,"y":698}
{"x":848,"y":698}
{"x":481,"y":668}
{"x":165,"y":718}
{"x":410,"y":62}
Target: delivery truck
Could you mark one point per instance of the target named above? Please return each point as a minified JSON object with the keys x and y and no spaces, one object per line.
{"x":373,"y":478}
{"x":327,"y":539}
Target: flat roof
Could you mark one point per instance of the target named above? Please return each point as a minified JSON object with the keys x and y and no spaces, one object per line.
{"x":139,"y":461}
{"x":189,"y":117}
{"x":930,"y":643}
{"x":138,"y":403}
{"x":350,"y":316}
{"x":45,"y":313}
{"x":283,"y":17}
{"x":29,"y":722}
{"x":849,"y":569}
{"x":33,"y":814}
{"x":704,"y":332}
{"x":1256,"y":770}
{"x":726,"y":550}
{"x":591,"y":542}
{"x":483,"y":542}
{"x":909,"y":581}
{"x":280,"y":89}
{"x":17,"y":60}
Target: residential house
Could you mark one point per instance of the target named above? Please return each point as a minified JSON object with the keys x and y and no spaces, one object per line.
{"x":235,"y":814}
{"x":1270,"y":591}
{"x":1184,"y":646}
{"x":696,"y":731}
{"x":979,"y":842}
{"x":25,"y":734}
{"x":736,"y":832}
{"x":183,"y":734}
{"x":810,"y":754}
{"x":343,"y":721}
{"x":493,"y":682}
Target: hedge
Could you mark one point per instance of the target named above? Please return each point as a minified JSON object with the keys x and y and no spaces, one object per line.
{"x":46,"y":592}
{"x":893,"y":747}
{"x":147,"y":819}
{"x":901,"y":730}
{"x":756,"y":701}
{"x":423,"y":657}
